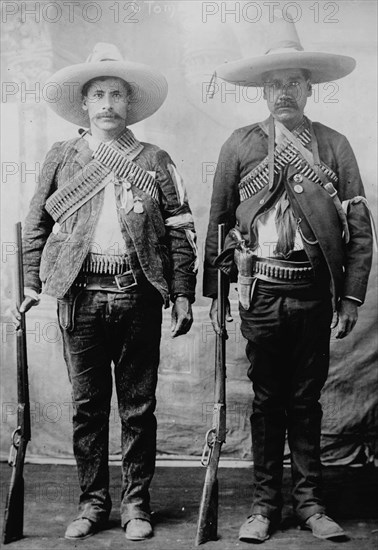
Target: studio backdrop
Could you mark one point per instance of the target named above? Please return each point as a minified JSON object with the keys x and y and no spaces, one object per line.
{"x":186,"y":41}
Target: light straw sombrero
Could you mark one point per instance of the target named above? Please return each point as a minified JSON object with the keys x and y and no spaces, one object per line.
{"x":285,"y":52}
{"x":63,"y":89}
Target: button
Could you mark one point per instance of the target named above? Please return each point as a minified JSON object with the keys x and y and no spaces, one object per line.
{"x":131,"y":178}
{"x":262,"y":201}
{"x":298,"y":178}
{"x":298,"y":188}
{"x":127,"y":185}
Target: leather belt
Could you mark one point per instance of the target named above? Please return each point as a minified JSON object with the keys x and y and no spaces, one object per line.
{"x":122,"y":282}
{"x":273,"y":269}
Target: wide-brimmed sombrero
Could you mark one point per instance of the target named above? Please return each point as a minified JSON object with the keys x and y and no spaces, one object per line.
{"x":149,"y":87}
{"x":285,"y":52}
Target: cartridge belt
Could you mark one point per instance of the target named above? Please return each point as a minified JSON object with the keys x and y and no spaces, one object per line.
{"x":89,"y":181}
{"x":122,"y":283}
{"x":284,"y":271}
{"x":126,"y":169}
{"x":106,"y":271}
{"x":105,"y":264}
{"x":284,"y":154}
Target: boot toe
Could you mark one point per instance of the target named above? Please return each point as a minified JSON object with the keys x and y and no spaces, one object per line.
{"x":255,"y":529}
{"x":80,"y":528}
{"x":138,"y":529}
{"x":324,"y":527}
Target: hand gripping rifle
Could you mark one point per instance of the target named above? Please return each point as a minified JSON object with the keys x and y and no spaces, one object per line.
{"x":208,"y":514}
{"x":14,"y":507}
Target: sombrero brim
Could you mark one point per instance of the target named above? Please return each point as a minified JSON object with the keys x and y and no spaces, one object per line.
{"x":63,"y":89}
{"x":324,"y":67}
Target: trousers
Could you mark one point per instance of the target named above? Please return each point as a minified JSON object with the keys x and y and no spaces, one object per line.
{"x":123,"y":329}
{"x":288,"y":333}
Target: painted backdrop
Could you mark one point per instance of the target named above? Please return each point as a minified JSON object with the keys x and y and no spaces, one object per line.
{"x":186,"y":41}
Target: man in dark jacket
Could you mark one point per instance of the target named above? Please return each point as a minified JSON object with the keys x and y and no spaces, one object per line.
{"x":291,"y":195}
{"x":110,"y":234}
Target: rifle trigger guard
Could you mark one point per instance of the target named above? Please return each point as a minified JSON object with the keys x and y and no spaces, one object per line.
{"x":14,"y":447}
{"x":16,"y":441}
{"x":209,"y":443}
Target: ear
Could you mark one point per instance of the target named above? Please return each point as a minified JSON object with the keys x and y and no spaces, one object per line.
{"x":84,"y":105}
{"x":309,"y":89}
{"x":264,"y":92}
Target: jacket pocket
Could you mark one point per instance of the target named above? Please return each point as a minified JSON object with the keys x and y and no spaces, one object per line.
{"x":51,"y":252}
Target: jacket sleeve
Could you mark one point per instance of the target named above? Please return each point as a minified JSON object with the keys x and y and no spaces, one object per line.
{"x":224,"y":201}
{"x":179,"y":225}
{"x":38,"y":222}
{"x":358,"y":251}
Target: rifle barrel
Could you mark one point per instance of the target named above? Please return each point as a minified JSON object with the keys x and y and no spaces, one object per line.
{"x":14,"y":507}
{"x":22,"y":359}
{"x":208,"y":514}
{"x":220,"y":341}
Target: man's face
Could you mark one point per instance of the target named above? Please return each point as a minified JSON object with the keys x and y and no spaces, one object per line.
{"x":106,"y":101}
{"x":286,"y":92}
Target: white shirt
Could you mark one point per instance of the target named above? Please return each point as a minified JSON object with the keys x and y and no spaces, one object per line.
{"x":267,"y":234}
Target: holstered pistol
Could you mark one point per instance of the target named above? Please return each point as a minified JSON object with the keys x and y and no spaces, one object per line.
{"x":244,"y":258}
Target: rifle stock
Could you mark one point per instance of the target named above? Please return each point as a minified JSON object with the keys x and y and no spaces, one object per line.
{"x":14,"y":507}
{"x":207,"y":527}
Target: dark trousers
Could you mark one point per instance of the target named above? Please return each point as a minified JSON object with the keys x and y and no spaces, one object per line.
{"x":124,"y":329}
{"x":288,"y":333}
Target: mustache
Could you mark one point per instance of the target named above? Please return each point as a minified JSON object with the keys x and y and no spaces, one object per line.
{"x":286,"y":103}
{"x":108,"y":115}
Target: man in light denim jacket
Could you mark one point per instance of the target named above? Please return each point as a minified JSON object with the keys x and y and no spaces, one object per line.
{"x":110,"y":234}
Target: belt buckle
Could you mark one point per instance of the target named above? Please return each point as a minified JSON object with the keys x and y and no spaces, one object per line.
{"x":126,"y":287}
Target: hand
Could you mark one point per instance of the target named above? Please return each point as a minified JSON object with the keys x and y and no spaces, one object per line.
{"x":24,"y":307}
{"x":182,"y":316}
{"x":214,"y":315}
{"x":348,"y":315}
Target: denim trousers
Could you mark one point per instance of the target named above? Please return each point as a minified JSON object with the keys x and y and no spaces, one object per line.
{"x":288,"y":333}
{"x":123,"y":329}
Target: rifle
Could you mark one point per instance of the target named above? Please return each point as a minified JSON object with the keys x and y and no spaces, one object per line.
{"x":208,"y":514}
{"x":14,"y":507}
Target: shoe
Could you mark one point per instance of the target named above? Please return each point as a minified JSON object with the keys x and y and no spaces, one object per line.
{"x":324,"y":527}
{"x":138,"y":529}
{"x":80,"y":528}
{"x":255,"y":529}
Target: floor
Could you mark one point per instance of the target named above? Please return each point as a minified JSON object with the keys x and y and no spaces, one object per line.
{"x":51,"y":493}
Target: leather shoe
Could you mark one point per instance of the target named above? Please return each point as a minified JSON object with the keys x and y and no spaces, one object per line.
{"x":255,"y":529}
{"x":80,"y":528}
{"x":324,"y":527}
{"x":138,"y":529}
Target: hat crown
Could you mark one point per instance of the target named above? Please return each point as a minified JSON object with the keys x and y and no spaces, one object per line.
{"x":103,"y":51}
{"x":149,"y":87}
{"x":282,"y":34}
{"x":285,"y":51}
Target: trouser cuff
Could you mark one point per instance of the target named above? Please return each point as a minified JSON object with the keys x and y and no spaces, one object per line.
{"x":134,"y":513}
{"x":266,"y":511}
{"x":306,"y":513}
{"x":94,"y":516}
